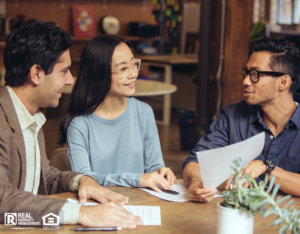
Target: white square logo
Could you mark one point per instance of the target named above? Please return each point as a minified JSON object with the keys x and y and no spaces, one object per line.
{"x":10,"y":218}
{"x":50,"y":219}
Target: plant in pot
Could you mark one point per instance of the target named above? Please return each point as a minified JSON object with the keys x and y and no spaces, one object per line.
{"x":235,"y":213}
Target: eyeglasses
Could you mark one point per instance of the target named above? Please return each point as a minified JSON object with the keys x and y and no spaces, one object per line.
{"x":254,"y":74}
{"x":123,"y":71}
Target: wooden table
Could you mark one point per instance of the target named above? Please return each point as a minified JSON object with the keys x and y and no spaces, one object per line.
{"x":184,"y":217}
{"x":149,"y":88}
{"x":155,"y":88}
{"x":168,"y":62}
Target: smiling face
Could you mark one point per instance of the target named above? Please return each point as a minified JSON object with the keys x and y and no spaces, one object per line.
{"x":265,"y":90}
{"x":51,"y":86}
{"x":122,"y":59}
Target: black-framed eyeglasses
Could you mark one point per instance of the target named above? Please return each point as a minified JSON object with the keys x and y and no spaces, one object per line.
{"x":254,"y":74}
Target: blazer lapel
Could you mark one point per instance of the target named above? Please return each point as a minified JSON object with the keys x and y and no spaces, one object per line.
{"x":12,"y":119}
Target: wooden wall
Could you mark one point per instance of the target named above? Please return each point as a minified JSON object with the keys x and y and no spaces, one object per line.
{"x":54,"y":10}
{"x":238,"y":24}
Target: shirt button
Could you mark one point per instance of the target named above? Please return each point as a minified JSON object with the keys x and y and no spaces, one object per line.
{"x":271,"y":136}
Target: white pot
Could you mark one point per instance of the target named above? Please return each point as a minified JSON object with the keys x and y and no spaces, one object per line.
{"x":234,"y":221}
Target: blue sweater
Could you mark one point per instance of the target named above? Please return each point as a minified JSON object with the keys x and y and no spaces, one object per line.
{"x":117,"y":151}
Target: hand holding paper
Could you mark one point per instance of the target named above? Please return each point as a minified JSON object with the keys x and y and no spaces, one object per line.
{"x":215,"y":164}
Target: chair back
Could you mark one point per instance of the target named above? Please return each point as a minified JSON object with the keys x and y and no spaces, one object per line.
{"x":59,"y":159}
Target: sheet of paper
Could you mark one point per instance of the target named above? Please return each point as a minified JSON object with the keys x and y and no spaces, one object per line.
{"x":215,"y":164}
{"x":149,"y":214}
{"x":180,"y":187}
{"x":70,"y":200}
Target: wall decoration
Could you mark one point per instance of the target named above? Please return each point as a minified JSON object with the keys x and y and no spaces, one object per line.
{"x":83,"y":21}
{"x":168,"y":14}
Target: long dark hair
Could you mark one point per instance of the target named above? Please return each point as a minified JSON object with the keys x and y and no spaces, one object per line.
{"x":93,"y":81}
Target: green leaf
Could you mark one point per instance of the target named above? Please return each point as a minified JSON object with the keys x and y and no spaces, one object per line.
{"x":294,"y":214}
{"x":271,"y":184}
{"x":268,"y":212}
{"x":282,"y":230}
{"x":277,"y":222}
{"x":262,"y":210}
{"x":289,"y":203}
{"x":279,"y":199}
{"x":275,"y":190}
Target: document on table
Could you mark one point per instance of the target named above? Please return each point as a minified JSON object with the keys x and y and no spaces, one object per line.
{"x":149,"y":214}
{"x":180,"y":187}
{"x":215,"y":164}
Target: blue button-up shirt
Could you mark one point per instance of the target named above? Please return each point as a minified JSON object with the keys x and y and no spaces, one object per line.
{"x":240,"y":121}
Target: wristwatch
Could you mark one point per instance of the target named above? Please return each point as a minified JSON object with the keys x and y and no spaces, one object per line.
{"x":270,"y":167}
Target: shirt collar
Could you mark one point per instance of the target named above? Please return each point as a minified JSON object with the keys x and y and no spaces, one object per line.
{"x":295,"y":119}
{"x":256,"y":115}
{"x":25,"y":118}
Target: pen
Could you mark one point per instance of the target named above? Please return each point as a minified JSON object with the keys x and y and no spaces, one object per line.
{"x":86,"y":229}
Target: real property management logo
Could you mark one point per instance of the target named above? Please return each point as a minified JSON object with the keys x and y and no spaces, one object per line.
{"x":50,"y":220}
{"x":24,"y":219}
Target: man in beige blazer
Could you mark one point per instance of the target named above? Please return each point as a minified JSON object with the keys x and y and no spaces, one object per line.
{"x":37,"y":62}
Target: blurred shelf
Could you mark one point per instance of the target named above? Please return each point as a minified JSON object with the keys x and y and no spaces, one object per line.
{"x":128,"y":38}
{"x":286,"y":32}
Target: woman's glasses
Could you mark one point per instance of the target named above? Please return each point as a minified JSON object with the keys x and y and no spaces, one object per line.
{"x":124,"y":71}
{"x":254,"y":74}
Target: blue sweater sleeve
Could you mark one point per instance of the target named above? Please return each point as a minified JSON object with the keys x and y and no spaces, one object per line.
{"x":152,"y":151}
{"x":217,"y":137}
{"x":78,"y":156}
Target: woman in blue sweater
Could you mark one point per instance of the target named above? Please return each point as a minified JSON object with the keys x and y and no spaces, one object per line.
{"x":111,"y":136}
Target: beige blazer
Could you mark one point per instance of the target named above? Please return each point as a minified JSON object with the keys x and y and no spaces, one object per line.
{"x":13,"y":170}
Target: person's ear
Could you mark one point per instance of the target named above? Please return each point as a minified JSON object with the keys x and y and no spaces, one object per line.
{"x":36,"y":75}
{"x":285,"y":82}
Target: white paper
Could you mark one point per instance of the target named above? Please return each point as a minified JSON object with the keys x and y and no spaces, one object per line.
{"x":180,"y":187}
{"x":215,"y":164}
{"x":70,"y":200}
{"x":149,"y":214}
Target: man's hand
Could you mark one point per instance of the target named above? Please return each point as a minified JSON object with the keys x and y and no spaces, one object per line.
{"x":89,"y":188}
{"x":107,"y":215}
{"x":168,"y":174}
{"x":254,"y":168}
{"x":200,"y":194}
{"x":152,"y":179}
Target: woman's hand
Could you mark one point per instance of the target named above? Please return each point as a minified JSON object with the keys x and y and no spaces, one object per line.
{"x":153,"y":179}
{"x":168,"y":174}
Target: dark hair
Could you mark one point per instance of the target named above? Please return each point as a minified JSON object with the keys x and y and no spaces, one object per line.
{"x":285,"y":57}
{"x":93,"y":81}
{"x":35,"y":43}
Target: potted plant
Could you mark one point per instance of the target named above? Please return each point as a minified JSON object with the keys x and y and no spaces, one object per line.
{"x":242,"y":203}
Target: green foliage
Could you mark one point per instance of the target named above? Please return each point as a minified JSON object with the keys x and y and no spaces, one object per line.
{"x":255,"y":30}
{"x":257,"y":196}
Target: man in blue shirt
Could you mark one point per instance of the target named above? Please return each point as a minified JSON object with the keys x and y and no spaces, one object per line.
{"x":271,"y":77}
